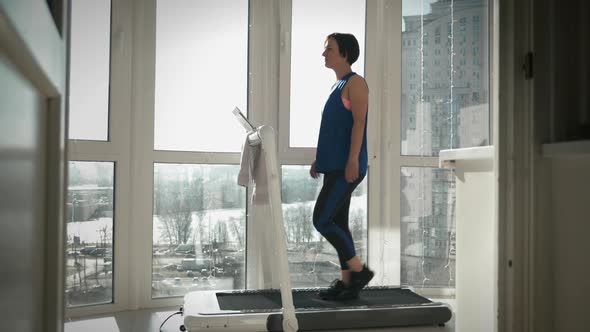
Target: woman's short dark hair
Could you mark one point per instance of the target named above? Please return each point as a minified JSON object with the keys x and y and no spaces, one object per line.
{"x":348,"y":46}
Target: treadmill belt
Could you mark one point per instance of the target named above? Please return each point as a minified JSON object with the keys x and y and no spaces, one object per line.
{"x":309,"y":298}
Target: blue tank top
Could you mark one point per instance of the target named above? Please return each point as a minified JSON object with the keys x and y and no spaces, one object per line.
{"x":335,"y":134}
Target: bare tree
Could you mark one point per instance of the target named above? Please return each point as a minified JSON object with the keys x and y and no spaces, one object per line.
{"x":290,"y":219}
{"x":306,"y":228}
{"x":298,"y":223}
{"x":175,"y":213}
{"x":356,"y":221}
{"x":104,"y":234}
{"x":220,"y":232}
{"x":166,"y":234}
{"x":237,"y":229}
{"x":179,"y":193}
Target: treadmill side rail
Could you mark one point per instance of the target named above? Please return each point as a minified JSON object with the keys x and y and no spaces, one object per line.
{"x":433,"y":314}
{"x":227,"y":323}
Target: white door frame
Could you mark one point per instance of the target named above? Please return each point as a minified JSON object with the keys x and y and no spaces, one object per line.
{"x":36,"y":48}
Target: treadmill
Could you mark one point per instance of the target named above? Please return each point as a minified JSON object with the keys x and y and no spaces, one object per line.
{"x":260,"y":310}
{"x":302,"y":309}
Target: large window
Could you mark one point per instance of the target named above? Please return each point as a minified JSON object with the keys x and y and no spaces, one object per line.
{"x":445,"y":90}
{"x":313,"y":262}
{"x":89,"y":73}
{"x":199,"y":233}
{"x":199,"y":211}
{"x":444,"y":105}
{"x":312,"y":22}
{"x":153,"y":111}
{"x":428,"y":227}
{"x":90,"y":215}
{"x":201,"y":74}
{"x":89,"y":261}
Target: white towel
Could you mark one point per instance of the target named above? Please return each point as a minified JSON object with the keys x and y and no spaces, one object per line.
{"x":253,"y":168}
{"x":253,"y":174}
{"x":246,"y":163}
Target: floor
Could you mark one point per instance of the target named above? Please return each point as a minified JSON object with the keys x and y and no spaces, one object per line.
{"x":150,"y":321}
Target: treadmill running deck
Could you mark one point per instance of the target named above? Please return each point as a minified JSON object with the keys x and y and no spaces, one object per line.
{"x":270,"y":300}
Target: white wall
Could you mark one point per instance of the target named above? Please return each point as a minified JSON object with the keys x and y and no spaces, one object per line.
{"x":22,"y":203}
{"x":477,"y":246}
{"x":570,"y":221}
{"x":32,"y":166}
{"x":561,"y":241}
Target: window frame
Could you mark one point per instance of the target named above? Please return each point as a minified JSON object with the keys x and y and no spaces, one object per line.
{"x":382,"y":36}
{"x":147,"y":156}
{"x":116,"y":149}
{"x":427,"y":161}
{"x":131,"y":136}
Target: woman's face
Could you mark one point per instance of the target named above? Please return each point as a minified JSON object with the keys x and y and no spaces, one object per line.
{"x":331,"y":54}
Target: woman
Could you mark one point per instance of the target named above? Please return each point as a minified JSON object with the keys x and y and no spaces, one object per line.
{"x":341,"y":156}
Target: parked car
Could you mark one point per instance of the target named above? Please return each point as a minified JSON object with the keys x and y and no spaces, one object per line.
{"x":98,"y":252}
{"x":194,"y":264}
{"x":170,"y":267}
{"x":87,"y":250}
{"x":184,"y":249}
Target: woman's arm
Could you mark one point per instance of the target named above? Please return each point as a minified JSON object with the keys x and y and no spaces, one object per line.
{"x":358,"y":94}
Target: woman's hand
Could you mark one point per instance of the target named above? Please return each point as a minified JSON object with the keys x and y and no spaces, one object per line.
{"x":351,"y":173}
{"x":312,"y":171}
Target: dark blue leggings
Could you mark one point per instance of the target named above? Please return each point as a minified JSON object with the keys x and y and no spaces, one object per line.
{"x":330,"y":215}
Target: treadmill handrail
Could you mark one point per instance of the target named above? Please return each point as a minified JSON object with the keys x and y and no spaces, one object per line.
{"x":268,"y":139}
{"x":265,"y":136}
{"x":253,"y":136}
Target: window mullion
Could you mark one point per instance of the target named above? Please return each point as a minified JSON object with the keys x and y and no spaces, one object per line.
{"x":142,"y":143}
{"x":265,"y":42}
{"x":78,"y":148}
{"x":383,"y":72}
{"x":285,"y":13}
{"x":418,"y":161}
{"x":119,"y":133}
{"x":116,"y":150}
{"x":196,"y":157}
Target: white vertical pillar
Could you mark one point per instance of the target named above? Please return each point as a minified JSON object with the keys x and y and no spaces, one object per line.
{"x":476,"y":257}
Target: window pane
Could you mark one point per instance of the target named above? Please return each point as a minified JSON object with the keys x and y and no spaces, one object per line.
{"x":89,"y":267}
{"x":427,"y":227}
{"x":313,"y":261}
{"x":311,"y":81}
{"x":201,"y":74}
{"x":90,"y":48}
{"x":445,"y":65}
{"x":199,"y":229}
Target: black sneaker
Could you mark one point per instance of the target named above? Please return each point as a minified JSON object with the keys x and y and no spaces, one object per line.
{"x":336,"y":287}
{"x":345,"y":295}
{"x":358,"y":280}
